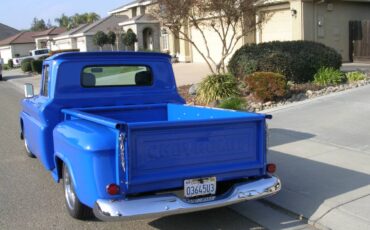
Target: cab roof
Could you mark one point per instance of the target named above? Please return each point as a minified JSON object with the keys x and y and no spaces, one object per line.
{"x":112,"y":54}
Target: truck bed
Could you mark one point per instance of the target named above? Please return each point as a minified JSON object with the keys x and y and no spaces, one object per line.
{"x":166,"y":144}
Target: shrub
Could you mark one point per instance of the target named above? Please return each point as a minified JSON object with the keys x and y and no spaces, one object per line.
{"x":328,"y":76}
{"x":6,"y":67}
{"x":129,"y":39}
{"x":26,"y":65}
{"x":297,"y":60}
{"x":217,"y":87}
{"x":355,"y":76}
{"x":100,"y":39}
{"x":36,"y":66}
{"x":267,"y":86}
{"x":10,"y":63}
{"x":235,"y":103}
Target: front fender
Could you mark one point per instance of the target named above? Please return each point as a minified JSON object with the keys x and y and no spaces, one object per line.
{"x":88,"y":149}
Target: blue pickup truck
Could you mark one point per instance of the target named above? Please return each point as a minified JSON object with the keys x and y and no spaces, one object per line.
{"x":113,"y":128}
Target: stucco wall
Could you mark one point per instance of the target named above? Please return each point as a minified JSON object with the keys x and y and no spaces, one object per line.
{"x":334,"y":23}
{"x":64,"y":44}
{"x":23,"y":49}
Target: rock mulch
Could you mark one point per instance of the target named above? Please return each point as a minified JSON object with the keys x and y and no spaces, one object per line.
{"x":256,"y":107}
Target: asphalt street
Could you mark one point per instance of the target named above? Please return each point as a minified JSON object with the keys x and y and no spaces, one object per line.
{"x":29,"y":198}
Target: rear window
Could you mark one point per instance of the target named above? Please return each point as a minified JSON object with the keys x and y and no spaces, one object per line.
{"x":116,"y":76}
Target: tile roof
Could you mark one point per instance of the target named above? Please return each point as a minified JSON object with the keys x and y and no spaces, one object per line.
{"x":51,"y":31}
{"x":74,"y":30}
{"x":105,"y":25}
{"x":7,"y":31}
{"x":20,"y":38}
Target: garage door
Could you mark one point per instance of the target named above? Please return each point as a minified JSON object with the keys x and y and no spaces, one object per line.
{"x":214,"y":44}
{"x":278,"y":27}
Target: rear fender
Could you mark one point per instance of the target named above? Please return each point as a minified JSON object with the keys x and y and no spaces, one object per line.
{"x":89,"y":152}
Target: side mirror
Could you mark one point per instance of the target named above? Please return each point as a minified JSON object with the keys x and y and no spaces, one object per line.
{"x":28,"y":90}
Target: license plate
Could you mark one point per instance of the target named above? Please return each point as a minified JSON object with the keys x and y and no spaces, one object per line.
{"x":200,"y":187}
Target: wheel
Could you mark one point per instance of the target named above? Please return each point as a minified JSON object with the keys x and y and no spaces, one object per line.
{"x":74,"y":206}
{"x":28,"y":151}
{"x":1,"y":77}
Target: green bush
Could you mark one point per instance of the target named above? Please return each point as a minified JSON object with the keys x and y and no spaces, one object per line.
{"x":6,"y":67}
{"x":10,"y":63}
{"x":235,"y":103}
{"x":217,"y":87}
{"x":267,"y":86}
{"x":129,"y":39}
{"x":26,"y":65}
{"x":355,"y":76}
{"x":329,"y":76}
{"x":297,"y":60}
{"x":36,"y":66}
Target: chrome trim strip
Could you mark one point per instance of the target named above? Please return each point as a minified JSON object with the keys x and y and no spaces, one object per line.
{"x":169,"y":204}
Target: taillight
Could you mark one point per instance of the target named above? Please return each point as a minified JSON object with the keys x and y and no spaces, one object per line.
{"x":113,"y":189}
{"x":271,"y":168}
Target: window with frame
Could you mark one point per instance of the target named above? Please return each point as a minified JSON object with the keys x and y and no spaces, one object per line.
{"x":116,"y":76}
{"x":45,"y":82}
{"x":165,"y":40}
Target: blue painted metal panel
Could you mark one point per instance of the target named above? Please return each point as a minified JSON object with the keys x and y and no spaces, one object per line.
{"x":187,"y":142}
{"x":162,"y":157}
{"x":88,"y":149}
{"x":65,"y":92}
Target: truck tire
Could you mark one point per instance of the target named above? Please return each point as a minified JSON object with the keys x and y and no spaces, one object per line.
{"x":1,"y":77}
{"x":74,"y":206}
{"x":28,"y":151}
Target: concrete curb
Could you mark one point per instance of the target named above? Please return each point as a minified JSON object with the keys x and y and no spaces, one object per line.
{"x":315,"y":99}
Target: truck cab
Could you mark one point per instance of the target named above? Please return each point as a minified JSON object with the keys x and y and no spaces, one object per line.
{"x":113,"y":127}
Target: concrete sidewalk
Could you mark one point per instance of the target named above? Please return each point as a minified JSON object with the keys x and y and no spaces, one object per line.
{"x":18,"y":79}
{"x":322,"y":150}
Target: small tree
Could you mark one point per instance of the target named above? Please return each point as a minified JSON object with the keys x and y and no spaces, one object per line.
{"x":38,"y":25}
{"x":100,"y":39}
{"x":112,"y":39}
{"x":230,"y":20}
{"x":129,"y":39}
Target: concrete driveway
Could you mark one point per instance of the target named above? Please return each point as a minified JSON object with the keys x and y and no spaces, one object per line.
{"x":322,"y":149}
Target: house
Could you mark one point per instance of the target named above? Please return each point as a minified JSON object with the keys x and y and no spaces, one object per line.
{"x":18,"y":45}
{"x":324,"y":21}
{"x":7,"y":31}
{"x":44,"y":38}
{"x":81,"y":37}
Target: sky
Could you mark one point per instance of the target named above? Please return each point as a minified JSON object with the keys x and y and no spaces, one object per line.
{"x":20,"y":13}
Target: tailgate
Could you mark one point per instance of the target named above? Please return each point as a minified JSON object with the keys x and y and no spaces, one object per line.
{"x":161,"y":156}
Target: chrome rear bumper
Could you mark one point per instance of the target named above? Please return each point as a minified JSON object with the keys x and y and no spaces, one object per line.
{"x":169,"y":204}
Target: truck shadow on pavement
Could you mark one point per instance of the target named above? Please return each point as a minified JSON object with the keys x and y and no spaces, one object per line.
{"x":285,"y":136}
{"x":221,"y":218}
{"x":308,"y":181}
{"x":7,"y":78}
